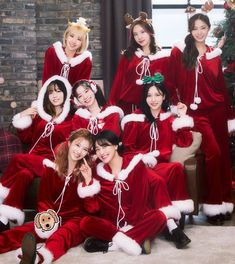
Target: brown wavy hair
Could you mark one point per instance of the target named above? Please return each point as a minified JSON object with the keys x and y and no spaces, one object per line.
{"x":61,"y":159}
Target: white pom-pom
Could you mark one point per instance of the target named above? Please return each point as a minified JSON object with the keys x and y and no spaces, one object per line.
{"x":197,"y":100}
{"x":193,"y":106}
{"x":139,"y":82}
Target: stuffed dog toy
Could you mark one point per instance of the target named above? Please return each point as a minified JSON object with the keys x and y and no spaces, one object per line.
{"x":46,"y":220}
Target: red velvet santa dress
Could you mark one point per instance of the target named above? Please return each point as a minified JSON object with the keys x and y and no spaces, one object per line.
{"x":127,"y":86}
{"x":158,"y":139}
{"x":107,"y":119}
{"x":60,"y":195}
{"x":42,"y":134}
{"x":57,"y":63}
{"x":204,"y":91}
{"x":126,"y":217}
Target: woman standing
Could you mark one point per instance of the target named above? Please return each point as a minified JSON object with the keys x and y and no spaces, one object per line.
{"x":153,"y":128}
{"x":57,"y":197}
{"x":142,"y":57}
{"x":93,"y":113}
{"x":197,"y":81}
{"x":70,"y":59}
{"x":43,"y":126}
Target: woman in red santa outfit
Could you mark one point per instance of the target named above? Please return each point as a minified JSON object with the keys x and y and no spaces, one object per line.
{"x":197,"y":81}
{"x":141,"y":58}
{"x":126,"y":218}
{"x":71,"y":59}
{"x":94,"y":114}
{"x":44,"y":125}
{"x":60,"y":208}
{"x":153,"y":130}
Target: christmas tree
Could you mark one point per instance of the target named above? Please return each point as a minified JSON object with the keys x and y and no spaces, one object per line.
{"x":227,"y":28}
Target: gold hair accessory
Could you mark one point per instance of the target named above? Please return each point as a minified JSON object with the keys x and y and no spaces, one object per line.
{"x":129,"y":20}
{"x":81,"y":23}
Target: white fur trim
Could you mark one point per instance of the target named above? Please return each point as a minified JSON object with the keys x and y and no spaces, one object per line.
{"x":213,"y":209}
{"x":85,"y":113}
{"x":139,"y":53}
{"x":126,"y":228}
{"x":89,"y":190}
{"x":21,"y":122}
{"x":47,"y":255}
{"x":48,"y":163}
{"x":4,"y":191}
{"x":213,"y":54}
{"x":171,"y":211}
{"x":180,"y":45}
{"x":46,"y":234}
{"x":132,"y":118}
{"x":41,"y":95}
{"x":231,"y":125}
{"x":185,"y":206}
{"x":127,"y":244}
{"x":183,"y":121}
{"x":228,"y":207}
{"x":34,"y":104}
{"x":160,"y":54}
{"x":12,"y":213}
{"x":74,"y":61}
{"x":173,"y":109}
{"x":123,"y":174}
{"x":164,"y":116}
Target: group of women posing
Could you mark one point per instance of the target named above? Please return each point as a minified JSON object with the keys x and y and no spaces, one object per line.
{"x":125,"y":191}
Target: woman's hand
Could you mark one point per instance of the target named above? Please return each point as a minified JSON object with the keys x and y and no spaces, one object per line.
{"x":31,"y":111}
{"x":221,"y":42}
{"x":85,"y":170}
{"x":181,"y":109}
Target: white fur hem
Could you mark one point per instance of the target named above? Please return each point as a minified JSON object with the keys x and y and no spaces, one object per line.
{"x":89,"y":190}
{"x":171,"y":211}
{"x":47,"y":255}
{"x":183,"y":121}
{"x":46,"y":234}
{"x":228,"y":207}
{"x":12,"y":213}
{"x":127,"y":244}
{"x":213,"y":209}
{"x":231,"y":125}
{"x":48,"y":163}
{"x":185,"y":206}
{"x":213,"y":54}
{"x":4,"y":191}
{"x":21,"y":122}
{"x":132,"y":118}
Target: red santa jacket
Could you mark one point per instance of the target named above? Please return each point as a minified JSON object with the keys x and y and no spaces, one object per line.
{"x":43,"y":133}
{"x":57,"y":63}
{"x":206,"y":81}
{"x":127,"y":85}
{"x":139,"y":135}
{"x":108,"y":118}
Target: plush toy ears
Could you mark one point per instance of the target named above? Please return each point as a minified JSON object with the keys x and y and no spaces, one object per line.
{"x":128,"y":20}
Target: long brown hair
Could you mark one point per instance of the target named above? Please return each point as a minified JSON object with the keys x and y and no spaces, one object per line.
{"x":61,"y":159}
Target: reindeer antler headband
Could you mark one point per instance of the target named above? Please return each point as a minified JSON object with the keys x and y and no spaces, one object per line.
{"x":129,"y":20}
{"x":81,"y":23}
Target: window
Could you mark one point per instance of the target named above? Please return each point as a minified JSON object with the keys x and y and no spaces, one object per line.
{"x":170,"y":20}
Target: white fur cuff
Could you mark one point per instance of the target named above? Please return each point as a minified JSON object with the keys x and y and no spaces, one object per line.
{"x":231,"y":125}
{"x":21,"y":122}
{"x":171,"y":211}
{"x":213,"y":209}
{"x":183,"y":121}
{"x":47,"y":255}
{"x":12,"y":213}
{"x":185,"y":206}
{"x":90,"y":190}
{"x":4,"y":191}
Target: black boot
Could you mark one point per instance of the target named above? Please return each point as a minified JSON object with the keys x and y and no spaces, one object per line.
{"x":28,"y":247}
{"x":179,"y":238}
{"x":4,"y":227}
{"x":217,"y":220}
{"x":93,"y":244}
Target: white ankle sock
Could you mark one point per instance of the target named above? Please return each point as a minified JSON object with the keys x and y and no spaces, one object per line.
{"x":171,"y":225}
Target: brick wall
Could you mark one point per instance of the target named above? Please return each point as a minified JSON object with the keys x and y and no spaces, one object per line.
{"x":27,"y":28}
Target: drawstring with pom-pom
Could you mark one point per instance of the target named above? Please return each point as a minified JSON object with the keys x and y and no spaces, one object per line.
{"x":49,"y":128}
{"x":117,"y":190}
{"x":198,"y":70}
{"x":154,"y":135}
{"x":65,"y":70}
{"x":93,"y":126}
{"x":142,"y":69}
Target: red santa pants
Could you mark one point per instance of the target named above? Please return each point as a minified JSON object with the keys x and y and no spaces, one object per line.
{"x":67,"y":236}
{"x":153,"y":223}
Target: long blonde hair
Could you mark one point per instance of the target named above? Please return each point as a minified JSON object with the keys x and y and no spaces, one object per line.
{"x":61,"y":159}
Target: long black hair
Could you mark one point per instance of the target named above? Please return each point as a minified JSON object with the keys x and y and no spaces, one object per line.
{"x":145,"y":107}
{"x":108,"y":138}
{"x":190,"y":52}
